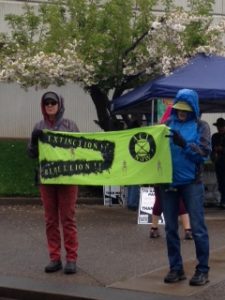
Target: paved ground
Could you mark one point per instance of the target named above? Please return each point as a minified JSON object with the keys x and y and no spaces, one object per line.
{"x":114,"y":253}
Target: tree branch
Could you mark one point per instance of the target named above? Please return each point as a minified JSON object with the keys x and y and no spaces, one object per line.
{"x":135,"y":43}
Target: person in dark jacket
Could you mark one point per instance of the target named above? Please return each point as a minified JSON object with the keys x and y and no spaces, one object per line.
{"x":190,"y":147}
{"x":59,"y":201}
{"x":218,"y":158}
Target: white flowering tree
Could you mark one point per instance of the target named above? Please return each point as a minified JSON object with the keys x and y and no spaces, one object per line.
{"x":105,"y":46}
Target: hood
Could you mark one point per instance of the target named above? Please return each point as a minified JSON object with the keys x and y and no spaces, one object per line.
{"x":61,"y":108}
{"x":191,"y":98}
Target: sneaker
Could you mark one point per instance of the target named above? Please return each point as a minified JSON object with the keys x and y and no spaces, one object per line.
{"x":174,"y":276}
{"x":70,"y":267}
{"x":199,"y":278}
{"x":154,"y":233}
{"x":53,"y":266}
{"x":188,"y":234}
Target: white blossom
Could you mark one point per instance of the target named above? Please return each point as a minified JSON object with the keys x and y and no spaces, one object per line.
{"x":163,"y":49}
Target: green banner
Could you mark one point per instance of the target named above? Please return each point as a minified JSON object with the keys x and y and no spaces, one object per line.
{"x":126,"y":157}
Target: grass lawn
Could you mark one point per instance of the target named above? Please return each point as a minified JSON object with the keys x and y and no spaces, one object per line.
{"x":16,"y":169}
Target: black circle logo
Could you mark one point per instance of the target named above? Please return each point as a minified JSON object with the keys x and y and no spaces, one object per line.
{"x":142,"y":146}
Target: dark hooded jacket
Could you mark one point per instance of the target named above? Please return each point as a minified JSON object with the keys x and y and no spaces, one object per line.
{"x":188,"y":161}
{"x":60,"y":123}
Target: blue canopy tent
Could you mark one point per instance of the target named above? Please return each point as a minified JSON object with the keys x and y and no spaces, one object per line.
{"x":205,"y":74}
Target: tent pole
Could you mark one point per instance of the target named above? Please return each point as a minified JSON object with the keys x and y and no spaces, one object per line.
{"x":152,"y":112}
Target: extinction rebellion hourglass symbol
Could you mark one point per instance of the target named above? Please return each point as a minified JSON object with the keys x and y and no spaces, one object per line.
{"x":142,"y":147}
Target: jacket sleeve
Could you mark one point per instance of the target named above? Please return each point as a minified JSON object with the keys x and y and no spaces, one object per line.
{"x":70,"y":126}
{"x":200,"y":151}
{"x":74,"y":127}
{"x":32,"y":149}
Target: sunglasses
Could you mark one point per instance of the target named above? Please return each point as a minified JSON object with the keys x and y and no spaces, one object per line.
{"x":50,"y":102}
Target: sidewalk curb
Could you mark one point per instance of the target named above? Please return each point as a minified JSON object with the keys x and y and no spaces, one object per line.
{"x":37,"y":200}
{"x":26,"y":288}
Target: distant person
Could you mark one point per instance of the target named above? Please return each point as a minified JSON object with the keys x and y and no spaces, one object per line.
{"x":218,"y":158}
{"x":133,"y":196}
{"x":156,"y":215}
{"x":59,"y":201}
{"x":190,"y":147}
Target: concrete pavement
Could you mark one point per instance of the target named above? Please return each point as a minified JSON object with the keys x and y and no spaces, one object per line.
{"x":117,"y":260}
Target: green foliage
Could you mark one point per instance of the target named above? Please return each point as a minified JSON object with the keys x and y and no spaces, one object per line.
{"x":24,"y":27}
{"x":202,"y":7}
{"x":108,"y":41}
{"x":109,"y":36}
{"x":194,"y":36}
{"x":168,"y":4}
{"x":17,"y":169}
{"x":104,"y":32}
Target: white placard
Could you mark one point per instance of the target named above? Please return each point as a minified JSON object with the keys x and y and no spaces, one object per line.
{"x":115,"y":195}
{"x":146,"y":203}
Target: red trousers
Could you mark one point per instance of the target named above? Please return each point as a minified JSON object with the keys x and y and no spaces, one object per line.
{"x":157,"y":208}
{"x":59,"y":204}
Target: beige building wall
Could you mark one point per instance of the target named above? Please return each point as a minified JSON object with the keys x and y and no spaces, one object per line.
{"x":219,"y":6}
{"x":20,"y":109}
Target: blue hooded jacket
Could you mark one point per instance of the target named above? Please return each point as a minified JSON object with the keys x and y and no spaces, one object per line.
{"x":187,"y":162}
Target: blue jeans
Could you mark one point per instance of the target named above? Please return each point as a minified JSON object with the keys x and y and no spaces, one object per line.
{"x":133,"y":196}
{"x":193,"y":197}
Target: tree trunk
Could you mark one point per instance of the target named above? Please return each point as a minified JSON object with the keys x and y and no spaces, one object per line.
{"x":106,"y":120}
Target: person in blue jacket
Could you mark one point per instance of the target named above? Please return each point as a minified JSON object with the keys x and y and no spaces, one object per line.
{"x":190,"y":143}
